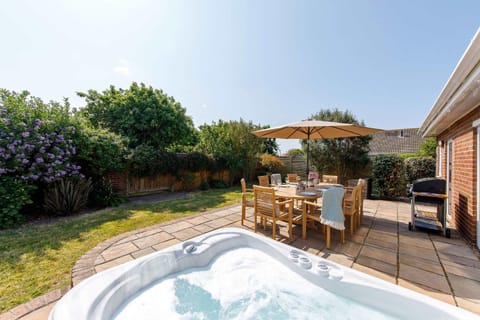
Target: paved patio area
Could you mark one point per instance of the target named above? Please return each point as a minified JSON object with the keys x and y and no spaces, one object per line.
{"x":446,"y":269}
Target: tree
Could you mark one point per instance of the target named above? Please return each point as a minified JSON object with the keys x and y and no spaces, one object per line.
{"x":234,"y":142}
{"x":428,"y":148}
{"x":344,"y":157}
{"x":270,"y":146}
{"x":143,"y":114}
{"x":295,"y":152}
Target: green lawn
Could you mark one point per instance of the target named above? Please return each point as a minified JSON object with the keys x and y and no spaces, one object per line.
{"x":36,"y":259}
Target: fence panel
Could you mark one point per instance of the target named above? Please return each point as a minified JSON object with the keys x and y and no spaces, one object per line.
{"x":183,"y":180}
{"x":296,"y":164}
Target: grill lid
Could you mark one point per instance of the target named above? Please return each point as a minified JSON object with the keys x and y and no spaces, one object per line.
{"x":431,"y":185}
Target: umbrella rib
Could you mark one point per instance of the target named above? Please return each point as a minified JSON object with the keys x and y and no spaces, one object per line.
{"x":295,"y":131}
{"x":317,"y":129}
{"x":338,"y":128}
{"x":349,"y":131}
{"x":273,"y":130}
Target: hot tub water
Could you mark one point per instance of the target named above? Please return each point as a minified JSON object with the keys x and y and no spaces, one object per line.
{"x":241,"y":284}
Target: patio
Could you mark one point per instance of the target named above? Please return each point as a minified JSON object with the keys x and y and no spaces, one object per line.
{"x":446,"y":269}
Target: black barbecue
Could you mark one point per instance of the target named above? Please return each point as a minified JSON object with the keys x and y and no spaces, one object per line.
{"x":429,"y":191}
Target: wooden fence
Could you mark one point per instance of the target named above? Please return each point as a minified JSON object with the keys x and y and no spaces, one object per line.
{"x":296,"y":164}
{"x":183,"y":180}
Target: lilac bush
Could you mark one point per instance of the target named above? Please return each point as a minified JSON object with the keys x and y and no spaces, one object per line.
{"x":32,"y":152}
{"x":37,"y":151}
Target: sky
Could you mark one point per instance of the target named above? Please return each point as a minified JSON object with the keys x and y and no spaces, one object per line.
{"x":271,"y":62}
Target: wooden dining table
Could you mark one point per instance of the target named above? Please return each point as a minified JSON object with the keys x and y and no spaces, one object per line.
{"x":310,"y":193}
{"x":289,"y":191}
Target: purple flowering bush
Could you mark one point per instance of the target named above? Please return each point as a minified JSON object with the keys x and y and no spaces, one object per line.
{"x":35,"y":152}
{"x":36,"y":149}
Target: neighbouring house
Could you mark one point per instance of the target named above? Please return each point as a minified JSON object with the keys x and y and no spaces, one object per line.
{"x":396,"y":141}
{"x":455,"y":120}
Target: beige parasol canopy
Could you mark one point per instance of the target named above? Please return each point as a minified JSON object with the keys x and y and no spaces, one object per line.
{"x":315,"y":129}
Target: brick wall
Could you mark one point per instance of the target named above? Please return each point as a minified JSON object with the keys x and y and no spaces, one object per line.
{"x":464,"y":173}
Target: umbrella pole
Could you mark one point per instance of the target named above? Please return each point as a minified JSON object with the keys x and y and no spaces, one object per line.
{"x":308,"y":152}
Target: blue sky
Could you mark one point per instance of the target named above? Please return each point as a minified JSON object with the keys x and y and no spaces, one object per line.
{"x":271,"y":62}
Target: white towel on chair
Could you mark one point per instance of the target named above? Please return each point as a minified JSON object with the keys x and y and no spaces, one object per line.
{"x":332,"y":212}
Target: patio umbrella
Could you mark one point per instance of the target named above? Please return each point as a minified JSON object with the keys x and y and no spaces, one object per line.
{"x":315,"y":129}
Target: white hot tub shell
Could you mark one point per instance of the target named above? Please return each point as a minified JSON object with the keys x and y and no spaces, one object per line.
{"x":100,"y":296}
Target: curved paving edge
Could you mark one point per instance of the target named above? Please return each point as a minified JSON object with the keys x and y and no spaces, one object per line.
{"x":33,"y":305}
{"x":85,"y":266}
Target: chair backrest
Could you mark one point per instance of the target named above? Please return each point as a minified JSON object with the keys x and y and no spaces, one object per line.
{"x":264,"y":181}
{"x":292,"y":177}
{"x":264,"y":200}
{"x":244,"y":190}
{"x":329,"y":179}
{"x":363,"y":184}
{"x":276,"y":178}
{"x":352,"y":199}
{"x":244,"y":185}
{"x":352,"y":182}
{"x":356,"y":182}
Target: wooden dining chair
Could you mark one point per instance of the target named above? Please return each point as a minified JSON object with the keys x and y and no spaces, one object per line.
{"x":329,"y":213}
{"x":263,"y":181}
{"x":362,"y":183}
{"x":353,"y":183}
{"x":267,"y":207}
{"x":329,"y":178}
{"x":275,"y":178}
{"x":247,"y":202}
{"x":292,"y":177}
{"x":351,"y":206}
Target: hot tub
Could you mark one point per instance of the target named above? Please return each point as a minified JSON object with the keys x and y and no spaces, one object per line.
{"x":235,"y":274}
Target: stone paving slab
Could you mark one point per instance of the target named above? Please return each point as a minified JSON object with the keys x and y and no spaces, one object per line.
{"x":428,"y":279}
{"x":445,"y":297}
{"x":420,"y":263}
{"x":382,"y":266}
{"x":445,"y":269}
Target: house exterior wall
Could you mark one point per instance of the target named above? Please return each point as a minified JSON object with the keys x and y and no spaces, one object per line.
{"x":464,"y":172}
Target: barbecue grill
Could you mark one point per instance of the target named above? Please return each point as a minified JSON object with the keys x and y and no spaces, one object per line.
{"x":429,"y":191}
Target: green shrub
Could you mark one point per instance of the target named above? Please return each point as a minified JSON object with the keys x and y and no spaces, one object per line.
{"x":388,"y":175}
{"x":186,"y":179}
{"x":143,"y":161}
{"x":218,"y":163}
{"x":194,"y":161}
{"x":99,"y":150}
{"x":103,"y":194}
{"x":149,"y":161}
{"x":204,"y":185}
{"x":14,"y":194}
{"x":419,"y":167}
{"x":67,"y":196}
{"x":218,"y":184}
